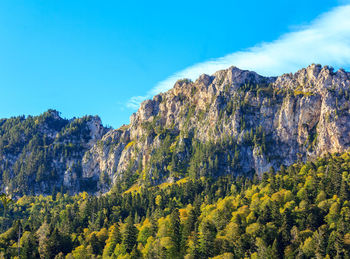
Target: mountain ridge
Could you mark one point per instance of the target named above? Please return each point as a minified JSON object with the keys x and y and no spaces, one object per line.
{"x":41,"y":154}
{"x":314,"y":86}
{"x":232,"y":122}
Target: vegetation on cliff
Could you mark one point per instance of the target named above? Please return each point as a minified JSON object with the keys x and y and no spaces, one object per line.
{"x":302,"y":211}
{"x":192,"y":175}
{"x":36,"y":152}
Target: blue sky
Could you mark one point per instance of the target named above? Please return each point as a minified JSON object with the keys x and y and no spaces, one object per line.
{"x":104,"y":57}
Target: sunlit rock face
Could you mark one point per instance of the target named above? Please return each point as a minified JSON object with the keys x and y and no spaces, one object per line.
{"x":272,"y":120}
{"x":235,"y":121}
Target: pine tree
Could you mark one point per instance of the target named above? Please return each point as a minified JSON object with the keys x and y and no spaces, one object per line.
{"x":344,"y":191}
{"x":44,"y":244}
{"x":94,"y":243}
{"x":207,"y":238}
{"x":195,"y":249}
{"x":287,"y":223}
{"x":175,"y":233}
{"x":130,"y":235}
{"x":274,"y":253}
{"x":320,"y":242}
{"x":29,"y":246}
{"x":339,"y":245}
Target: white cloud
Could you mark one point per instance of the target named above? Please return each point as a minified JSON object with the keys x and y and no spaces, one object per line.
{"x":326,"y":40}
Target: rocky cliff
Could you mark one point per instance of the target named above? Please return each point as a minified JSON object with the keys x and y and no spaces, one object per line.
{"x":41,"y":154}
{"x":232,"y":122}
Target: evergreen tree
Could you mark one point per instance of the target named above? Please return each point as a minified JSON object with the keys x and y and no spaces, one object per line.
{"x":207,"y":238}
{"x":113,"y":239}
{"x":29,"y":246}
{"x":130,"y":235}
{"x":320,"y":242}
{"x":175,"y":233}
{"x":274,"y":253}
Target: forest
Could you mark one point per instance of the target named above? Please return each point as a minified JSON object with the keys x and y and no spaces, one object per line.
{"x":35,"y":151}
{"x":300,"y":211}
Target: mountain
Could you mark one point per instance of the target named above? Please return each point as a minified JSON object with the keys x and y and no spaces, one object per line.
{"x":301,"y":211}
{"x":234,"y":122}
{"x":41,"y":154}
{"x":233,"y":165}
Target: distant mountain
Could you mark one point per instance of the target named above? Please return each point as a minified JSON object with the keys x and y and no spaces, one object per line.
{"x":233,"y":122}
{"x":42,"y":154}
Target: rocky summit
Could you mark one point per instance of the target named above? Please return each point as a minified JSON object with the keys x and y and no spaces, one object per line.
{"x":232,"y":122}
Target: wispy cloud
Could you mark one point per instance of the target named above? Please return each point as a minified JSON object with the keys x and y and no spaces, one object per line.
{"x":325,"y":40}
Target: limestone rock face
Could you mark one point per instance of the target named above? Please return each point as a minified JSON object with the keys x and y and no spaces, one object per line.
{"x":232,"y":122}
{"x":298,"y":116}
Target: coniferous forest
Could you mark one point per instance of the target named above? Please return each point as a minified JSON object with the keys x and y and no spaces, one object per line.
{"x":300,"y":211}
{"x":200,"y":172}
{"x":175,"y":129}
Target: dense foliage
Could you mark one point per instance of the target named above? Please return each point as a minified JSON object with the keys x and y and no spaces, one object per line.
{"x":35,"y":150}
{"x":302,"y":211}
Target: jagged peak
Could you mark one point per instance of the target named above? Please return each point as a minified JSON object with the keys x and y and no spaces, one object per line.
{"x":204,"y":79}
{"x":316,"y":78}
{"x":183,"y":81}
{"x":317,"y":70}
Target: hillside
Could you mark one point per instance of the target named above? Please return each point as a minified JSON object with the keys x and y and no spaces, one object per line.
{"x":42,"y":154}
{"x":233,"y":165}
{"x":302,"y":211}
{"x":234,"y":122}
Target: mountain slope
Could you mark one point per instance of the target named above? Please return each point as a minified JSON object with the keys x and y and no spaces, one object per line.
{"x":233,"y":122}
{"x":43,"y":153}
{"x":302,"y":211}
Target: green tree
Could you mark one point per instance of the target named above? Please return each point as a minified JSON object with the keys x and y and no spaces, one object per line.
{"x":114,"y":238}
{"x":175,"y":233}
{"x":29,"y":245}
{"x":43,"y":234}
{"x":6,"y":201}
{"x":130,"y":235}
{"x":207,"y":238}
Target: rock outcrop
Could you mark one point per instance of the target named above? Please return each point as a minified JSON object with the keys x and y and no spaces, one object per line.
{"x":232,"y":122}
{"x":43,"y":154}
{"x":271,"y":120}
